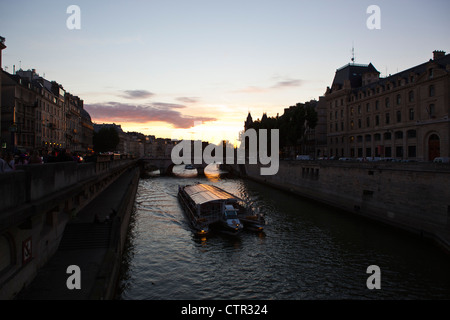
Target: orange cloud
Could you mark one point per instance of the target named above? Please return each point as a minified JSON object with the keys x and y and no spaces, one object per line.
{"x":123,"y":112}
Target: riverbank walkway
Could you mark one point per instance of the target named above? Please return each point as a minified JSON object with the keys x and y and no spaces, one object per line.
{"x":85,"y":243}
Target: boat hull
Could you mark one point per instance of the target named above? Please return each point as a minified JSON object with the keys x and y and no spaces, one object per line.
{"x":200,"y":229}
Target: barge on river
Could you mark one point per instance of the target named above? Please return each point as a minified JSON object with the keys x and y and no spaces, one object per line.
{"x":208,"y":207}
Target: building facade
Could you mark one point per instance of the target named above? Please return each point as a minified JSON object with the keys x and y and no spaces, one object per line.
{"x":2,"y":47}
{"x":403,"y":116}
{"x":38,"y":114}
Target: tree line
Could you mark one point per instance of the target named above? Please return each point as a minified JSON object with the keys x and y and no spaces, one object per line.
{"x":293,"y":125}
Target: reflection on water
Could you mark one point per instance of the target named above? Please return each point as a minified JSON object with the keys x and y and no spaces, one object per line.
{"x":307,"y":251}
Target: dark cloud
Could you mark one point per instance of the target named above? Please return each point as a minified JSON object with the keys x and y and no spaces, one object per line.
{"x":122,"y":112}
{"x":168,"y":105}
{"x":137,"y":94}
{"x":287,"y":84}
{"x":189,"y":99}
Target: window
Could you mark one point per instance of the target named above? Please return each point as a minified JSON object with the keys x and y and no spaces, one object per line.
{"x":386,"y":102}
{"x":377,"y":137}
{"x":399,"y":152}
{"x":360,"y":152}
{"x":411,"y":96}
{"x":368,"y":138}
{"x":388,"y":118}
{"x":430,"y":73}
{"x":377,"y":105}
{"x":352,"y":125}
{"x":412,"y":133}
{"x":368,"y":121}
{"x":368,"y":107}
{"x":388,"y":152}
{"x":399,"y":135}
{"x":411,"y":114}
{"x":368,"y":152}
{"x":359,"y":139}
{"x":387,"y":136}
{"x":359,"y":109}
{"x":399,"y":99}
{"x":359,"y":123}
{"x":431,"y":91}
{"x":399,"y":116}
{"x":352,"y":111}
{"x":431,"y":111}
{"x":377,"y":120}
{"x":411,"y":151}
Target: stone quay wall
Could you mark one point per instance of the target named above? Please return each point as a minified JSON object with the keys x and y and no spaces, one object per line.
{"x":36,"y":204}
{"x":411,"y":196}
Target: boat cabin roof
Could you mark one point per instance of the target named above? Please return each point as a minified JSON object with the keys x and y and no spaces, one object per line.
{"x":203,"y":193}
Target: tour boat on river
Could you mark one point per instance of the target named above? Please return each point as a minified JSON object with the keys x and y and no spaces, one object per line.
{"x":208,"y":207}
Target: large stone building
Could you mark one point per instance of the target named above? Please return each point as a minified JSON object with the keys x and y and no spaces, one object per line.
{"x":2,"y":47}
{"x":38,"y":114}
{"x":404,"y":116}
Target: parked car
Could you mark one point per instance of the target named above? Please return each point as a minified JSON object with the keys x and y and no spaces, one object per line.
{"x":441,"y":160}
{"x":390,"y":160}
{"x":303,"y":157}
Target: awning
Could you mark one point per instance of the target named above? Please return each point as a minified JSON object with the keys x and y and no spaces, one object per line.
{"x":203,"y":193}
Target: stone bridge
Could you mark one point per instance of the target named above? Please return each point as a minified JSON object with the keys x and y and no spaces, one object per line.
{"x":165,"y":165}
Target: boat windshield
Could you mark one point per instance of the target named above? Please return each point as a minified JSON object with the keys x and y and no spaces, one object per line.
{"x":231,"y":214}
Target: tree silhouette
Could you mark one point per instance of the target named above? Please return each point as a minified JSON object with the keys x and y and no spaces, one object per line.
{"x":293,"y":124}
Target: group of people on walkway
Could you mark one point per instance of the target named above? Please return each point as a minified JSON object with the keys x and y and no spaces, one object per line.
{"x":9,"y":161}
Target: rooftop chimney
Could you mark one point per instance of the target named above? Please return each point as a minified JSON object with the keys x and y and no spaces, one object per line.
{"x":437,"y":54}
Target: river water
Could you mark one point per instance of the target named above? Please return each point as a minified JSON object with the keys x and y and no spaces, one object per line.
{"x":307,"y":251}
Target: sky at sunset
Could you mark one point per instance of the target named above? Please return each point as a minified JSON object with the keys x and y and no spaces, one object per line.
{"x":177,"y":68}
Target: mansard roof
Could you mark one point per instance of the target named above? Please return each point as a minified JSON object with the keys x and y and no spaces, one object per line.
{"x":352,"y":72}
{"x":405,"y":74}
